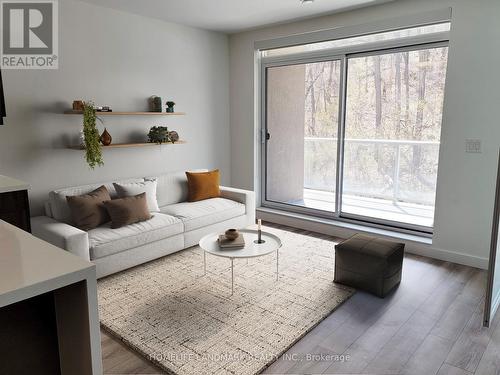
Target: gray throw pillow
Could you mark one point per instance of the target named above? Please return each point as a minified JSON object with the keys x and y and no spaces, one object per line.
{"x":131,"y":189}
{"x":87,"y":211}
{"x":129,"y":210}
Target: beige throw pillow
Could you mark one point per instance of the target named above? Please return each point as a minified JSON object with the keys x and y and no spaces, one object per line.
{"x":131,"y":189}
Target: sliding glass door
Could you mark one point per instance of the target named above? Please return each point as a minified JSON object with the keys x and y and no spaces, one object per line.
{"x":392,"y":132}
{"x":302,"y":104}
{"x":355,"y":136}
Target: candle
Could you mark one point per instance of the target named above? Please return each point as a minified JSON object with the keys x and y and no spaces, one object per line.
{"x":259,"y":239}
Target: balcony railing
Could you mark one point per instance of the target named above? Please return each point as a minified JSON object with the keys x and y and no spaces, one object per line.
{"x":397,"y":170}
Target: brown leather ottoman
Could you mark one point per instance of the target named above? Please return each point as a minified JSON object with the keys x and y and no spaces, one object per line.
{"x":369,"y":263}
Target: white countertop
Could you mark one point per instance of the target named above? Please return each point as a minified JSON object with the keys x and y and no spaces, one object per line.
{"x":8,"y":184}
{"x":30,"y":266}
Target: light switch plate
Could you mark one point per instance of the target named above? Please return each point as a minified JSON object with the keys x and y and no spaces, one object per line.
{"x":473,"y":146}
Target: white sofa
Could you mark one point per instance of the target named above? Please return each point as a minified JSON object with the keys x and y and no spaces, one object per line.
{"x":177,"y":226}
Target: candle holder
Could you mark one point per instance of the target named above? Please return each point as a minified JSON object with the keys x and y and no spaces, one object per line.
{"x":259,"y":239}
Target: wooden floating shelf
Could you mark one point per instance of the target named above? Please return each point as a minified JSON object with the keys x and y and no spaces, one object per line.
{"x":71,"y":112}
{"x":126,"y":145}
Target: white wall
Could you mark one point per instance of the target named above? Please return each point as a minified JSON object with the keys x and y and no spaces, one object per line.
{"x":465,"y":192}
{"x":118,"y":59}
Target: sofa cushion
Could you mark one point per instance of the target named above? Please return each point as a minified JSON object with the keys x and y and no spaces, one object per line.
{"x":130,"y":189}
{"x":203,"y":185}
{"x":88,"y":211}
{"x":172,"y":187}
{"x":128,"y":210}
{"x":105,"y":241}
{"x":202,"y":213}
{"x":59,"y":206}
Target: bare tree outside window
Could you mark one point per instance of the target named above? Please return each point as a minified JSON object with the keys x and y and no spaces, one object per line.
{"x":393,"y":110}
{"x":393,"y":129}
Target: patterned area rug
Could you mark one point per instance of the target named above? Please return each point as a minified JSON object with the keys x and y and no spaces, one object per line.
{"x":188,"y":323}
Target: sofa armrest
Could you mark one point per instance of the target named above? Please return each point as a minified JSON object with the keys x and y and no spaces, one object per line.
{"x":246,"y":197}
{"x":62,"y":235}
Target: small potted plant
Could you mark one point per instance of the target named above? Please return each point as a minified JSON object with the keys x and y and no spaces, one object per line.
{"x":170,"y":106}
{"x":158,"y":134}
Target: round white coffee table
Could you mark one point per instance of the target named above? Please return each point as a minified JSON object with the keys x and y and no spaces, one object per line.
{"x":272,"y":243}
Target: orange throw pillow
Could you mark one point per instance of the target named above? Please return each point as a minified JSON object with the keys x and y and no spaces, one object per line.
{"x":203,"y":185}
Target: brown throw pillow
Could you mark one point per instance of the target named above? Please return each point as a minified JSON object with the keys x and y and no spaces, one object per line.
{"x":87,"y":211}
{"x":203,"y":185}
{"x":128,"y":210}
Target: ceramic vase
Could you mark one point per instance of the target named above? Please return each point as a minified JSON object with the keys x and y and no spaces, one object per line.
{"x":106,"y":138}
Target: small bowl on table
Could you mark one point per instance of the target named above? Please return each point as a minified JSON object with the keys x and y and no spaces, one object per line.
{"x":232,"y":234}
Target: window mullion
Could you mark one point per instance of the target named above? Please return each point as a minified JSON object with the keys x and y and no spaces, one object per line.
{"x":341,"y":135}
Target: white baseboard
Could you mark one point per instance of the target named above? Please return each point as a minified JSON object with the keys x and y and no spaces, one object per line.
{"x":494,"y":306}
{"x":449,"y":256}
{"x":413,"y":243}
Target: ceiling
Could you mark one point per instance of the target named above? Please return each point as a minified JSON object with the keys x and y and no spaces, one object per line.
{"x":231,"y":16}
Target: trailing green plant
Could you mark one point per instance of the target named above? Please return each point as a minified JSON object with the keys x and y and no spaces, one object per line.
{"x":93,"y":152}
{"x":158,"y":134}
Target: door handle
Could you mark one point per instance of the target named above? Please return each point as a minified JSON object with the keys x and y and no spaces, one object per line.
{"x":264,"y":136}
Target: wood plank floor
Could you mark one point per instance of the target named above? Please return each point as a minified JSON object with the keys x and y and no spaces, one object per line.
{"x":432,"y":324}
